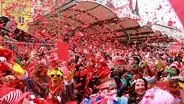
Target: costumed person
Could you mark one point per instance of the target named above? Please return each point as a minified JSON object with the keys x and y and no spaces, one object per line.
{"x":116,"y":66}
{"x":146,"y":67}
{"x":89,"y":77}
{"x":160,"y":66}
{"x":9,"y":92}
{"x":40,"y":79}
{"x":125,"y":84}
{"x":60,"y":88}
{"x":83,"y":75}
{"x":6,"y":56}
{"x":137,"y":89}
{"x":107,"y":94}
{"x":148,"y":74}
{"x":134,"y":63}
{"x":9,"y":86}
{"x":156,"y":95}
{"x":169,"y":81}
{"x":176,"y":87}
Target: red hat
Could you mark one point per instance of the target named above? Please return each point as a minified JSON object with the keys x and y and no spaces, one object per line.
{"x":7,"y":53}
{"x":6,"y":56}
{"x":175,"y":65}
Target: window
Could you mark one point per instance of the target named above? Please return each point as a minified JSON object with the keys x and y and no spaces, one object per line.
{"x":21,"y":19}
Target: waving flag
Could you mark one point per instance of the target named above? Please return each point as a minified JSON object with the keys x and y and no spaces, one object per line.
{"x":62,"y":50}
{"x":179,"y":9}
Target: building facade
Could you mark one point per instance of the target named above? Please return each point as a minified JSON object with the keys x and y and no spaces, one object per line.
{"x":19,"y":10}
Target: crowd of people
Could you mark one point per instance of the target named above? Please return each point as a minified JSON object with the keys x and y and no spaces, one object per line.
{"x":141,"y":74}
{"x":97,"y":71}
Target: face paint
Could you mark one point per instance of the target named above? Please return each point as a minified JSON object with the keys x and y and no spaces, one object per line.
{"x":109,"y":88}
{"x":56,"y":77}
{"x":54,"y":72}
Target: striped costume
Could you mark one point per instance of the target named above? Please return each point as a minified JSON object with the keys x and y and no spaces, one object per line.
{"x":8,"y":95}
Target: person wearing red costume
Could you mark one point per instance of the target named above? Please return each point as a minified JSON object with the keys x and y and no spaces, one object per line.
{"x":10,"y":89}
{"x":107,"y":94}
{"x":9,"y":92}
{"x":59,"y":91}
{"x":88,"y":76}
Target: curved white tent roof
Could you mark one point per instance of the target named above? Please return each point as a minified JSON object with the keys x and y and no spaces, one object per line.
{"x":163,"y":15}
{"x":97,"y":21}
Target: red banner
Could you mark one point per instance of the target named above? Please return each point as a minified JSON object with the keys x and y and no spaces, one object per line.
{"x":62,"y":50}
{"x":179,"y":9}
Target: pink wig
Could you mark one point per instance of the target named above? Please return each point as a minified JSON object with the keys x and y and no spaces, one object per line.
{"x":158,"y":96}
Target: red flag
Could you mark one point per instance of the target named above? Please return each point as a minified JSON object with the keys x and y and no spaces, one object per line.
{"x":178,"y":7}
{"x":62,"y":50}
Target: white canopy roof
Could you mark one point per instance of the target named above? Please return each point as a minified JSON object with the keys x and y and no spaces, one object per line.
{"x":97,"y":21}
{"x":163,"y":15}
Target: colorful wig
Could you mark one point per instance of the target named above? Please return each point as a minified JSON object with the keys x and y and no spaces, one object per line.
{"x":158,"y":96}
